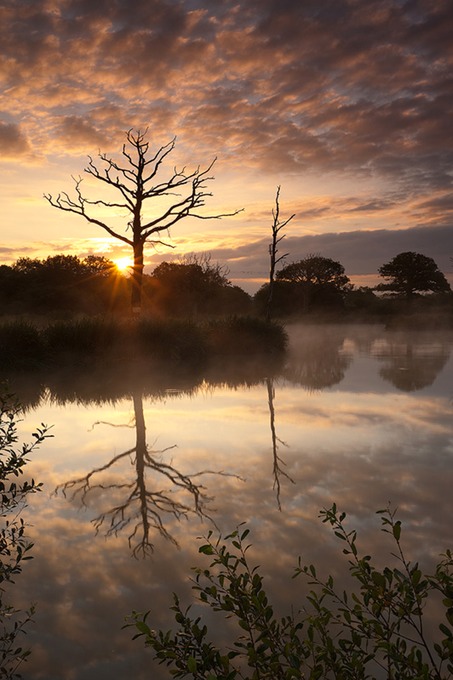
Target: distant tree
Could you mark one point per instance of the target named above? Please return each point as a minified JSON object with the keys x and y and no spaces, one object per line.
{"x":137,"y":181}
{"x":317,"y":270}
{"x":277,"y":226}
{"x":193,"y":286}
{"x":63,"y":282}
{"x":315,"y":282}
{"x":410,"y":273}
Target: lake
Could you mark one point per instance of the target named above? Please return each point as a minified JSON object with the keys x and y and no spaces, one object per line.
{"x":357,"y":415}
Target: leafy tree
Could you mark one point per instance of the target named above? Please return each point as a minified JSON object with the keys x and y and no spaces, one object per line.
{"x":375,"y":630}
{"x":194,"y":286}
{"x":314,"y":283}
{"x":410,"y":273}
{"x":14,"y":545}
{"x":61,"y":282}
{"x":315,"y":270}
{"x":136,"y":182}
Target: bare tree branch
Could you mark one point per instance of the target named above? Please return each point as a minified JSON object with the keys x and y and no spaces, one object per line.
{"x":137,"y":181}
{"x":277,"y":226}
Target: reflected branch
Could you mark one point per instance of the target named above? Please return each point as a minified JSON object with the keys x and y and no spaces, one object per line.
{"x":140,"y":508}
{"x":278,"y":462}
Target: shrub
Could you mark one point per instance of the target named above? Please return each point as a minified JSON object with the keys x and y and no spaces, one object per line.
{"x":245,"y":335}
{"x":376,"y":630}
{"x":21,"y":345}
{"x":14,"y":544}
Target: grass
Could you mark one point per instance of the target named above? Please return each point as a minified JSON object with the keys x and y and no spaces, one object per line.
{"x":91,"y":342}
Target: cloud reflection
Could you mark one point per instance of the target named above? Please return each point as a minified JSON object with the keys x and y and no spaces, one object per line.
{"x":360,"y":442}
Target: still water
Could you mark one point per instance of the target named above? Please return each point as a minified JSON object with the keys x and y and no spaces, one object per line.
{"x":357,"y":415}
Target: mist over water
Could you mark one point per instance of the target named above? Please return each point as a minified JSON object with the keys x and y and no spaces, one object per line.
{"x":357,"y":415}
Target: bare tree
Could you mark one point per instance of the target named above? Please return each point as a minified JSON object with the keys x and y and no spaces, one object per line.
{"x":277,"y":226}
{"x":136,"y":181}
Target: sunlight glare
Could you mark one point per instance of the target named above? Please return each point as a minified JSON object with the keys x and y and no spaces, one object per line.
{"x":123,"y":264}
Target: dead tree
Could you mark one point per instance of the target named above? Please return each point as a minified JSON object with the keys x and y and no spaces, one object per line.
{"x":136,"y":181}
{"x":277,"y":226}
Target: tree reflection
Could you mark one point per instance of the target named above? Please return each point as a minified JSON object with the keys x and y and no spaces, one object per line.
{"x":412,"y":364}
{"x":141,"y":504}
{"x":278,"y":462}
{"x":318,"y":363}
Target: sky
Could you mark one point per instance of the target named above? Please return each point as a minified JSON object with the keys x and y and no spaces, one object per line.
{"x":347,"y":105}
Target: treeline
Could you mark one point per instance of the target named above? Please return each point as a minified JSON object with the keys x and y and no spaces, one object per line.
{"x":94,"y":285}
{"x":66,"y":285}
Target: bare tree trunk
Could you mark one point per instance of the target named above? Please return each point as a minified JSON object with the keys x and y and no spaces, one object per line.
{"x":136,"y":183}
{"x":137,"y":279}
{"x":277,"y":226}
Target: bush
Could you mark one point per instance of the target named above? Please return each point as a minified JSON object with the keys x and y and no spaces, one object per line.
{"x":14,"y":544}
{"x":376,"y":630}
{"x":245,"y":335}
{"x":21,"y":345}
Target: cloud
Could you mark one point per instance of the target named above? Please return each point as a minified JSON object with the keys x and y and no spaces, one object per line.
{"x":294,"y":86}
{"x":13,"y":142}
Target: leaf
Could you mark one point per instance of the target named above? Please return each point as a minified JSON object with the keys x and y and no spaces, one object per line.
{"x":206,"y":549}
{"x":397,"y":530}
{"x":192,"y":664}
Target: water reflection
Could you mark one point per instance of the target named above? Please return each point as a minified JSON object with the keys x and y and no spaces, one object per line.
{"x":351,"y":436}
{"x":278,"y":463}
{"x":316,"y":361}
{"x":139,"y":503}
{"x":413,"y":363}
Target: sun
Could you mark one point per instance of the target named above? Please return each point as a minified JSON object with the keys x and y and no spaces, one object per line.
{"x":123,"y":264}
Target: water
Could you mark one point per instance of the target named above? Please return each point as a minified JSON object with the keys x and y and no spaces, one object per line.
{"x":358,"y":415}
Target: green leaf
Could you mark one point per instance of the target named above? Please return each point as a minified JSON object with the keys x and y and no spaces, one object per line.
{"x":192,"y":664}
{"x":397,"y":530}
{"x":206,"y":549}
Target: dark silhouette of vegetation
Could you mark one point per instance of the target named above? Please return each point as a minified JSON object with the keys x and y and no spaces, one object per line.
{"x":376,"y":627}
{"x":194,"y":287}
{"x":410,"y":273}
{"x":136,"y":182}
{"x":106,"y":342}
{"x":63,"y":284}
{"x":312,"y":284}
{"x":15,"y":546}
{"x":277,"y":226}
{"x":316,"y":289}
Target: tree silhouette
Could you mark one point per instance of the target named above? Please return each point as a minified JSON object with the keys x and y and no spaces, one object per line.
{"x":317,"y":281}
{"x":277,"y":226}
{"x":136,"y":182}
{"x":409,"y":273}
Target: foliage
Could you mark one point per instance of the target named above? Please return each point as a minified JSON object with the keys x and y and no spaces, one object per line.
{"x":191,"y":288}
{"x":316,"y":270}
{"x":21,"y":343}
{"x":14,"y":545}
{"x":375,"y":630}
{"x":245,"y":335}
{"x":61,"y":283}
{"x":106,"y":341}
{"x":409,"y":273}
